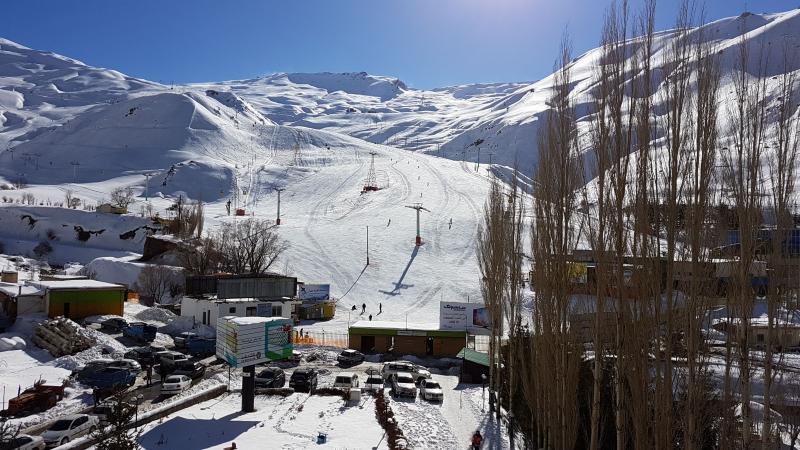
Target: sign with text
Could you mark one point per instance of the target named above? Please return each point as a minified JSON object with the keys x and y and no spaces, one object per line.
{"x":460,"y":316}
{"x":246,"y":341}
{"x":314,"y":292}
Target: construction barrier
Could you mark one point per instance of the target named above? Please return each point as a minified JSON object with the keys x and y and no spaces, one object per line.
{"x":340,"y":340}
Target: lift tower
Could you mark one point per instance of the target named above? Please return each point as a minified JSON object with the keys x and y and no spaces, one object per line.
{"x":371,"y":184}
{"x":418,"y":207}
{"x":279,"y":190}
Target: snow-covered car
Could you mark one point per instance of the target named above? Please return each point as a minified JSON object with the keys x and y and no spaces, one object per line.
{"x":346,"y":381}
{"x":181,"y":339}
{"x":403,"y":385}
{"x":431,"y":390}
{"x":128,"y":364}
{"x":25,"y":442}
{"x":350,"y":358}
{"x":193,"y":370}
{"x":105,"y":409}
{"x":168,"y":359}
{"x":68,"y":428}
{"x":175,"y":384}
{"x":373,"y":383}
{"x":296,"y":356}
{"x":271,"y":377}
{"x":93,"y":366}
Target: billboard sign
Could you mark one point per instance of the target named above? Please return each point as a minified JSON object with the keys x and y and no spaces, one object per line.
{"x":246,"y":341}
{"x":459,"y":316}
{"x":314,"y":292}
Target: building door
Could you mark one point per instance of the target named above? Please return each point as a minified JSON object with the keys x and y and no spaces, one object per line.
{"x":204,"y":318}
{"x":429,"y":346}
{"x":66,"y":310}
{"x":367,"y":344}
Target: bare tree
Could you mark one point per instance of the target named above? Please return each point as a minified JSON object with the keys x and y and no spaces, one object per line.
{"x":123,"y":197}
{"x":249,"y":246}
{"x":156,"y":282}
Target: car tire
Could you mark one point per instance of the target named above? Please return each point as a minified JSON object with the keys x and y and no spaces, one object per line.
{"x":92,"y":429}
{"x":63,"y":441}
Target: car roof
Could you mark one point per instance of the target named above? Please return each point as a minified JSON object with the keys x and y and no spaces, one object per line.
{"x":73,"y":416}
{"x":404,"y":373}
{"x":346,"y":374}
{"x":304,"y":370}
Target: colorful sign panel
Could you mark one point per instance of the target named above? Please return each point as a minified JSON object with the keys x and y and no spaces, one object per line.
{"x":246,"y":341}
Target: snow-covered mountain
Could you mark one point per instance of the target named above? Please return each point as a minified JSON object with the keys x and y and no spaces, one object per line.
{"x":66,"y":126}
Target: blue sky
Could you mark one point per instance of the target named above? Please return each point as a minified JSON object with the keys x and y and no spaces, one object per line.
{"x":426,"y":43}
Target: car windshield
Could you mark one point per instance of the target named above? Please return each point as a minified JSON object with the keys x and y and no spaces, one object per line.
{"x":61,"y":425}
{"x":267,"y":374}
{"x":173,"y":379}
{"x":432,"y":385}
{"x":300,"y":375}
{"x":375,"y":380}
{"x":404,"y":379}
{"x":343,"y":379}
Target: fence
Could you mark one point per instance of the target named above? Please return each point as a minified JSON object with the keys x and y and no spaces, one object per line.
{"x":327,"y":339}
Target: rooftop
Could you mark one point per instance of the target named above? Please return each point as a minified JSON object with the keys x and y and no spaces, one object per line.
{"x":13,"y":289}
{"x":384,"y":324}
{"x":250,"y":320}
{"x":77,"y":284}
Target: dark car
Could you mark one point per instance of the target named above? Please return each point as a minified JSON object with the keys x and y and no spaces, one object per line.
{"x":115,"y":324}
{"x":304,"y":379}
{"x":271,"y":377}
{"x":193,"y":370}
{"x":144,"y":355}
{"x":350,"y":358}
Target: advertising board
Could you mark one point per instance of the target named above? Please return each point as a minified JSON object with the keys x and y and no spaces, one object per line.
{"x":472,"y":317}
{"x":314,"y":292}
{"x":246,"y":341}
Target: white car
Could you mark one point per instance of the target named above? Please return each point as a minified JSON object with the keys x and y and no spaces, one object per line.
{"x":68,"y":428}
{"x":175,"y":384}
{"x":373,"y":383}
{"x":419,"y":373}
{"x":26,"y":442}
{"x":346,"y":381}
{"x":431,"y":390}
{"x":129,"y":364}
{"x":403,"y":385}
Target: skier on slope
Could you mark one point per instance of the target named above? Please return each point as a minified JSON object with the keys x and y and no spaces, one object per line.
{"x":363,"y":308}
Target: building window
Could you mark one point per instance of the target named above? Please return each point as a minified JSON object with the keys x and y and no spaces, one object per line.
{"x":760,"y":338}
{"x":277,"y":310}
{"x":232,"y":310}
{"x":250,"y":311}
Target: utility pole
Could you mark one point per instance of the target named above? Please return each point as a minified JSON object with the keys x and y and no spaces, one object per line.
{"x":478,"y":163}
{"x":418,"y":207}
{"x":367,"y":244}
{"x":75,"y":165}
{"x":279,"y":190}
{"x":147,"y":186}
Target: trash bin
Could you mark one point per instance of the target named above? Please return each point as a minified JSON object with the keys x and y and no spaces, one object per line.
{"x":322,"y":438}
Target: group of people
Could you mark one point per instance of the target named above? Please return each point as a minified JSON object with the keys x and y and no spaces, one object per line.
{"x":364,"y":309}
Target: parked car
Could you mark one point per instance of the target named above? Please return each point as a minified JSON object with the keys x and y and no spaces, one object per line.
{"x":346,"y":381}
{"x":403,"y":385}
{"x":296,"y":356}
{"x":271,"y":377}
{"x":373,"y":383}
{"x":431,"y":390}
{"x":140,"y":331}
{"x":103,"y":410}
{"x":418,"y":372}
{"x":199,"y":346}
{"x":129,"y":364}
{"x":113,"y":324}
{"x":182,"y":339}
{"x":169,"y":358}
{"x":175,"y":384}
{"x":350,"y":358}
{"x":304,"y":379}
{"x":110,"y":378}
{"x":93,"y":366}
{"x":68,"y":428}
{"x":145,"y":356}
{"x":25,"y":442}
{"x":193,"y":370}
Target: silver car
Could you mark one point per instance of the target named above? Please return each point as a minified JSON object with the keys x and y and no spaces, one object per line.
{"x":403,"y":385}
{"x":68,"y":428}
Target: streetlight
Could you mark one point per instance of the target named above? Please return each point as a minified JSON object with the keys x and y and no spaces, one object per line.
{"x":483,"y":395}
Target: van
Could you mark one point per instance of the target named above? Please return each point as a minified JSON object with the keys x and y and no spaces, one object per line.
{"x":346,"y":381}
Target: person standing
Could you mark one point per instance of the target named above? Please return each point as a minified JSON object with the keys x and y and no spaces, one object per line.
{"x":363,"y":308}
{"x":477,"y":439}
{"x":380,"y":308}
{"x":370,"y":317}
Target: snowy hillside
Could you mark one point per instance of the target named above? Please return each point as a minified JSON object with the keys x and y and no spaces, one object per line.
{"x":65,"y":126}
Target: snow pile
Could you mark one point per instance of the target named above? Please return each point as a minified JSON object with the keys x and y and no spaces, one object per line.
{"x":12,"y":343}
